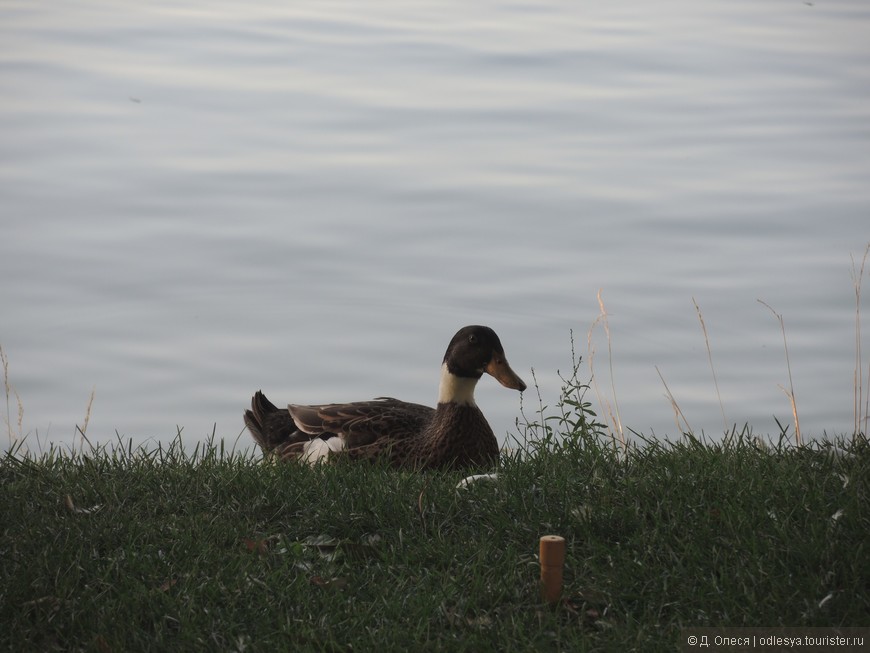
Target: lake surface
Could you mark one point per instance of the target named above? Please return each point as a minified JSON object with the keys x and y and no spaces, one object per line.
{"x":201,"y":199}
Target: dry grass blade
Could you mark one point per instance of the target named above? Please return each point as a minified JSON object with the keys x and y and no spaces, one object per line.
{"x":5,"y":362}
{"x":84,"y":427}
{"x":613,"y":413}
{"x":710,"y":358}
{"x":790,"y":391}
{"x":867,"y":403}
{"x":678,"y":413}
{"x":858,"y":380}
{"x":13,"y":436}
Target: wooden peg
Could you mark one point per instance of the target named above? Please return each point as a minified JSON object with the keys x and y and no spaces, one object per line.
{"x":552,"y":556}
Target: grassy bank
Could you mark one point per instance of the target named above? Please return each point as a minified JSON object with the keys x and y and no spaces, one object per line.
{"x":124,"y":551}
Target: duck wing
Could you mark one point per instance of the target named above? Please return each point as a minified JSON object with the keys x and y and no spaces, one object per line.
{"x":363,"y":422}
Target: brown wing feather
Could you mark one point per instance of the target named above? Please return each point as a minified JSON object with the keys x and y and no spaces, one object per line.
{"x":363,"y":422}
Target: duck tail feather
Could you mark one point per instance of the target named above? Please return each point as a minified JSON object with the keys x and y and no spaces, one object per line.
{"x":271,"y":426}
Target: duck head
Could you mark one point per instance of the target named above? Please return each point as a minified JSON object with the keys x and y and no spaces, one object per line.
{"x":472,"y":351}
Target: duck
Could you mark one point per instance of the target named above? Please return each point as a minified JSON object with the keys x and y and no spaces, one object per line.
{"x":452,"y":435}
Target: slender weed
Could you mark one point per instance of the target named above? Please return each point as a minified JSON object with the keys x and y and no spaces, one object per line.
{"x":573,"y":419}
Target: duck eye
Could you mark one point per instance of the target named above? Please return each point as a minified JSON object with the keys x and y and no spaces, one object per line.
{"x":472,"y":339}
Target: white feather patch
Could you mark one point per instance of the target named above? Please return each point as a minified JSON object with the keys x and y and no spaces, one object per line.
{"x":455,"y":389}
{"x":318,"y":450}
{"x":468,"y":481}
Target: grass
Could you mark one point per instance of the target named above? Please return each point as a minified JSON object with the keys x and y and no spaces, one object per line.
{"x":121,"y":550}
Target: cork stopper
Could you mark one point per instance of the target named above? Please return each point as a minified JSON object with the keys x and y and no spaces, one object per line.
{"x":552,"y":557}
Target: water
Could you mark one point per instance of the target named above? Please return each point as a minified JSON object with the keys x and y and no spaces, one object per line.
{"x":199,"y":201}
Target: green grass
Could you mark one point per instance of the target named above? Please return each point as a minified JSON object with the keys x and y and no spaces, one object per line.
{"x":219,"y":552}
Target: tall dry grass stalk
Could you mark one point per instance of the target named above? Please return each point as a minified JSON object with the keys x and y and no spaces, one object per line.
{"x":10,"y":391}
{"x":710,"y":358}
{"x":612,"y":410}
{"x":84,"y":427}
{"x":861,"y":418}
{"x":678,"y":413}
{"x":790,"y":391}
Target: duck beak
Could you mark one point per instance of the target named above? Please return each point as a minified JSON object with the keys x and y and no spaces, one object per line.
{"x":499,"y":369}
